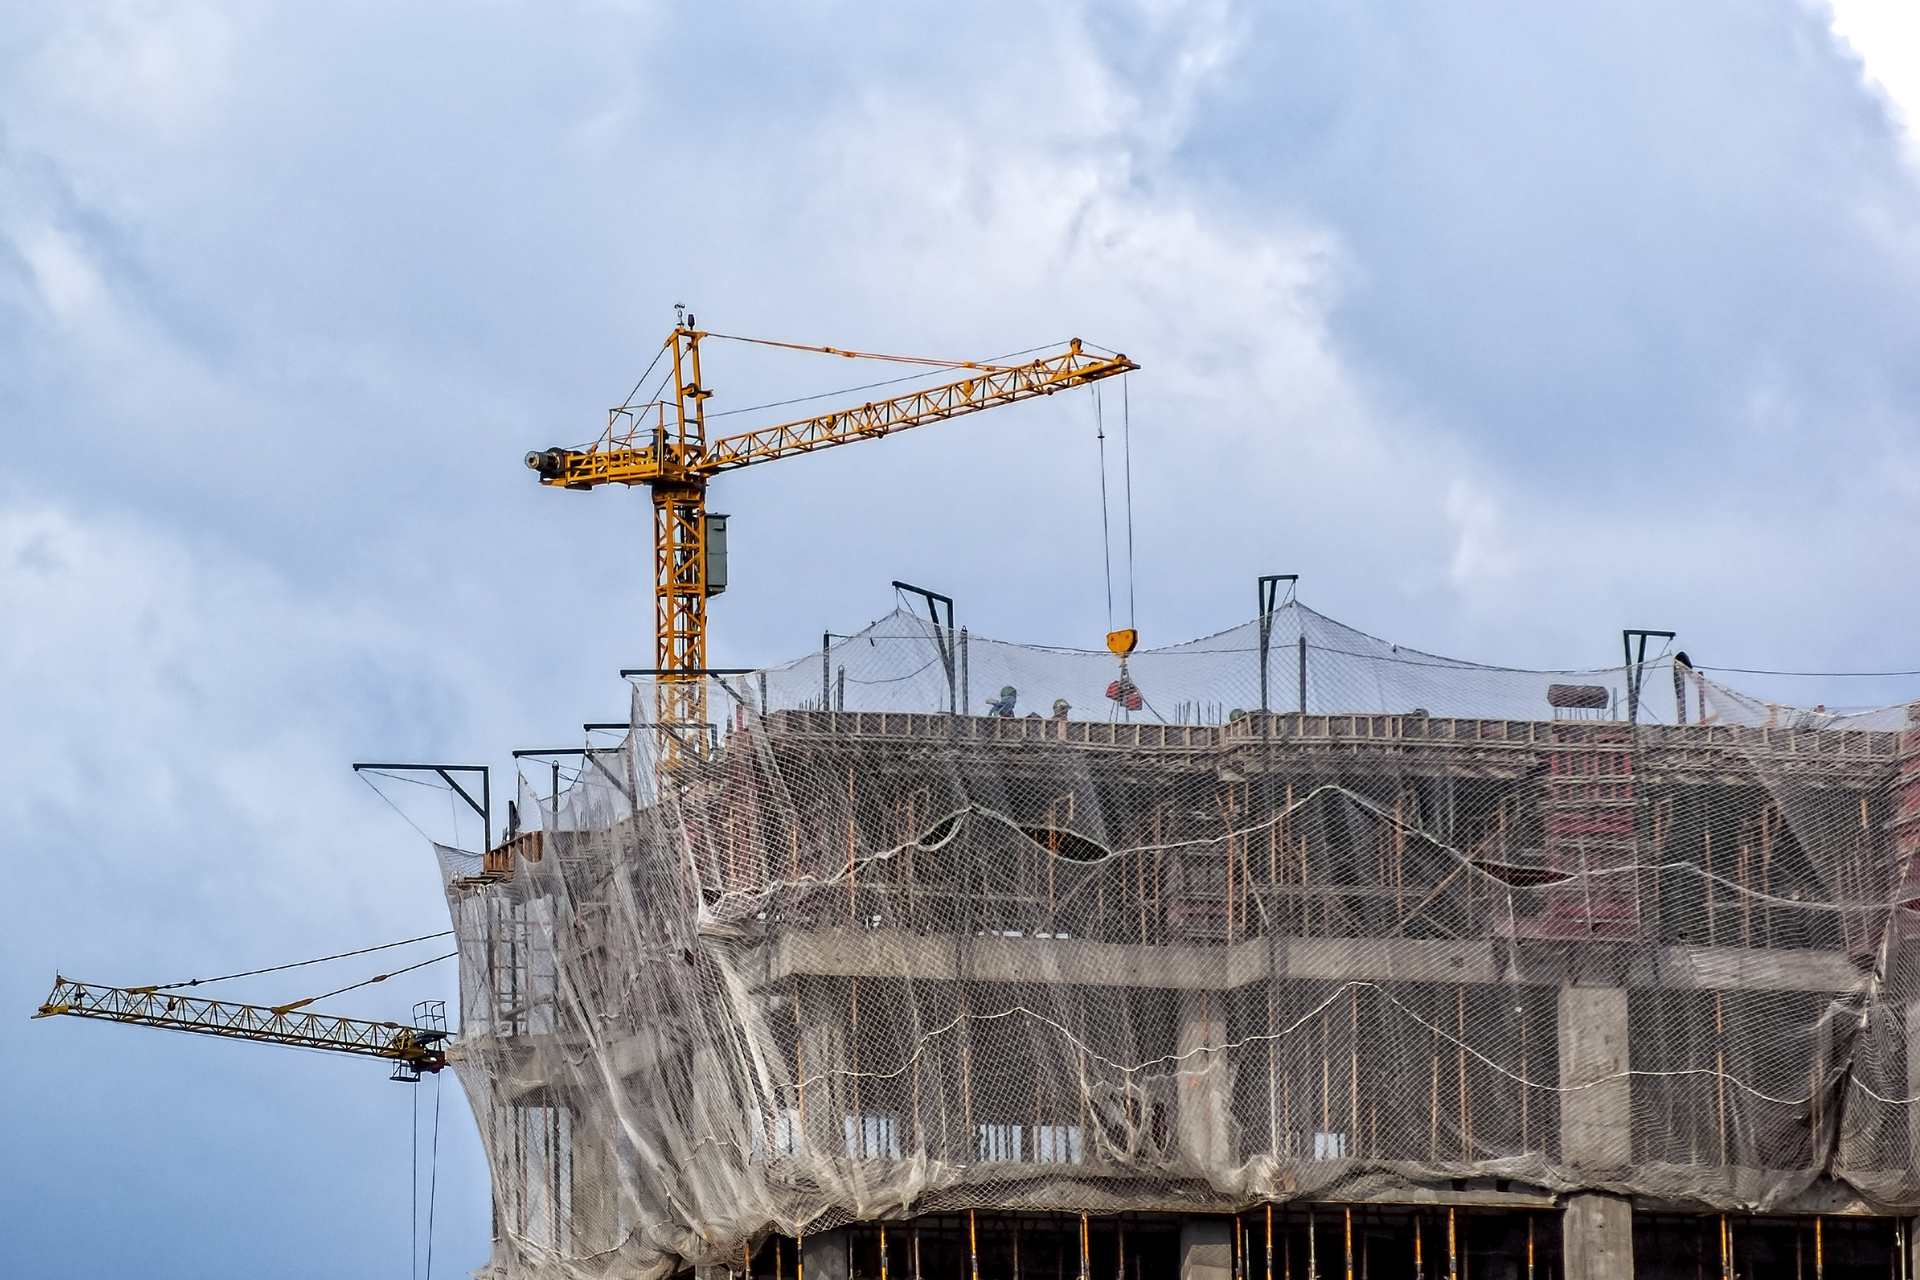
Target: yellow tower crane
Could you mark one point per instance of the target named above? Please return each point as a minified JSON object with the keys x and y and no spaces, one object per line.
{"x":672,"y":456}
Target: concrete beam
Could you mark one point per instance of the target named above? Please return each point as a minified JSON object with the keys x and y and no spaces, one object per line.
{"x":881,"y":953}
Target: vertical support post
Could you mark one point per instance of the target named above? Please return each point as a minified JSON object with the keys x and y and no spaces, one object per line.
{"x":826,"y":670}
{"x":1636,"y":664}
{"x":840,"y":690}
{"x":965,"y":700}
{"x":1349,"y":1244}
{"x":1303,"y":672}
{"x":824,"y":1256}
{"x":1595,"y":1111}
{"x":1453,"y":1249}
{"x":1086,"y":1250}
{"x":1207,"y":1082}
{"x":1597,"y":1243}
{"x":1206,"y":1250}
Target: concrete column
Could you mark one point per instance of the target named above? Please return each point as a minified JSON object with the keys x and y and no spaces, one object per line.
{"x":823,"y":1256}
{"x":593,"y":1173}
{"x":1206,"y":1083}
{"x":1597,"y":1237}
{"x":1913,"y":1079}
{"x":1595,"y":1114}
{"x":1206,"y":1250}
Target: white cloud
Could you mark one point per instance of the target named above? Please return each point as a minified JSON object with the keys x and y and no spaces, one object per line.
{"x":1886,"y":36}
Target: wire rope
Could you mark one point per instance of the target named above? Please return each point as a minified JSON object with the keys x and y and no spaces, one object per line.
{"x":378,"y":977}
{"x":340,"y":955}
{"x":865,"y":386}
{"x":1106,"y":535}
{"x":644,"y":376}
{"x":1126,"y":450}
{"x":413,"y":1253}
{"x":433,"y":1174}
{"x":928,"y":361}
{"x":388,"y":801}
{"x":1831,"y":675}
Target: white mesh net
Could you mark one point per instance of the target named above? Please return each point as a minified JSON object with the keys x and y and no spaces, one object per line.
{"x":1133,"y":944}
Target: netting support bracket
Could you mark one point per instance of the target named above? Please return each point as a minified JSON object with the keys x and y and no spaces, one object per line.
{"x":1636,"y":662}
{"x":943,"y":640}
{"x":1269,"y":601}
{"x":483,"y":806}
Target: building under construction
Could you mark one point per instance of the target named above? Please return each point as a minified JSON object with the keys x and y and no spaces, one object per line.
{"x":1288,"y":952}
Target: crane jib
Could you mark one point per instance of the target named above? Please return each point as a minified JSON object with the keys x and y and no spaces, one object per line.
{"x":621,"y":463}
{"x":420,"y":1047}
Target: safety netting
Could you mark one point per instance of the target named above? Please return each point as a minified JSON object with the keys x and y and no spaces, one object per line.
{"x":924,"y":922}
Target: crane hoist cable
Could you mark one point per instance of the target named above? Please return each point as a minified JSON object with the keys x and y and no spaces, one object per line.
{"x":1122,"y":692}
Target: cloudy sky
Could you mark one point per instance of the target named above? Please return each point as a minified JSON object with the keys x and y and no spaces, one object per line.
{"x":1505,"y":325}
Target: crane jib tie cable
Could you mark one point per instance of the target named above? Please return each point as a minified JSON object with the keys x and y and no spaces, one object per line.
{"x":378,"y":977}
{"x":297,"y":964}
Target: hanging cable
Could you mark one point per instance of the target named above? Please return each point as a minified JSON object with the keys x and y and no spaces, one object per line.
{"x":391,"y":805}
{"x":1106,"y":537}
{"x":993,"y":363}
{"x":341,"y":955}
{"x":628,"y":404}
{"x":930,"y":362}
{"x":433,"y":1173}
{"x":413,"y":1253}
{"x":1755,"y":671}
{"x":1126,"y":450}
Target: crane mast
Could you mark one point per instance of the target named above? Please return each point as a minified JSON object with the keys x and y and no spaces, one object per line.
{"x":672,"y":458}
{"x":680,"y":552}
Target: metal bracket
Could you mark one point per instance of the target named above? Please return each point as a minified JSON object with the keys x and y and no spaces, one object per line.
{"x":482,"y":806}
{"x":942,"y":636}
{"x":1635,"y":664}
{"x":1269,"y":594}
